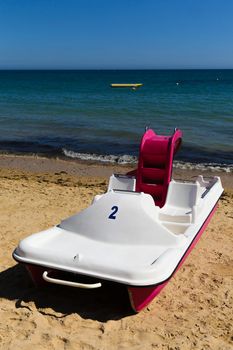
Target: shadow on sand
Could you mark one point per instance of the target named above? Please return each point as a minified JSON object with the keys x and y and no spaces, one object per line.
{"x":110,"y":302}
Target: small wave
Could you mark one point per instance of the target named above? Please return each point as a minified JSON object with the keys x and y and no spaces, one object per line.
{"x":128,"y":159}
{"x":215,"y":167}
{"x":123,"y":159}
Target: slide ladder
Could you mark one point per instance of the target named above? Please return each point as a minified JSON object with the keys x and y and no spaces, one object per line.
{"x":155,"y":164}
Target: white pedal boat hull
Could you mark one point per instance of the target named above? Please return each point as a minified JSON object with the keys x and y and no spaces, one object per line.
{"x":123,"y":237}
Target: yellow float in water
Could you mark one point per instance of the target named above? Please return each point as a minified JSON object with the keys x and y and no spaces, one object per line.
{"x":133,"y":86}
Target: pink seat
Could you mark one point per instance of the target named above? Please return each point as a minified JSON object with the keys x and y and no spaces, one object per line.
{"x":155,"y":164}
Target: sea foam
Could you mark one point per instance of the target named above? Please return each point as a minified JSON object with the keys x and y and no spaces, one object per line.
{"x":131,"y":160}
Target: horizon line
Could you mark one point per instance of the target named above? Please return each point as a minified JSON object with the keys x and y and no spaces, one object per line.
{"x":106,"y":69}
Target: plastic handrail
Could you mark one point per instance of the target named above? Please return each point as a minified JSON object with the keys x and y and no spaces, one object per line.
{"x":69,"y":283}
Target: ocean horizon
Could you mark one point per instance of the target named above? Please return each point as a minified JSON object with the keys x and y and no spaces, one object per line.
{"x":76,"y":114}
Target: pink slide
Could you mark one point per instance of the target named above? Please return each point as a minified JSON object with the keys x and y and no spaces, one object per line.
{"x":155,"y":164}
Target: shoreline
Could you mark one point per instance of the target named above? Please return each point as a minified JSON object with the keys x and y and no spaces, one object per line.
{"x":122,"y":159}
{"x":73,"y":167}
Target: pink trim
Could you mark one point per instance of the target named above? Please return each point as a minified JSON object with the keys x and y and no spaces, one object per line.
{"x":140,"y":297}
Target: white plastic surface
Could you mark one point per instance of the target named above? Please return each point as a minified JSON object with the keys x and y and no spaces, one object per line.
{"x":122,"y":182}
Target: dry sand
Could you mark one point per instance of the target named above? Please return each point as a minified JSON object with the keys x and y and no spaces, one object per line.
{"x":194,"y":311}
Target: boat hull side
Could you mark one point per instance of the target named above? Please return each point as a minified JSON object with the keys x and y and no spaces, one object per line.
{"x":140,"y":297}
{"x":36,"y":273}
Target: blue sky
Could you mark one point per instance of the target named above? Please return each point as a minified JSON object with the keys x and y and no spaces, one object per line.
{"x":106,"y":34}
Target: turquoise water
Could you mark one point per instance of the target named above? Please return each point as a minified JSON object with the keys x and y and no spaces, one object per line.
{"x":77,"y":114}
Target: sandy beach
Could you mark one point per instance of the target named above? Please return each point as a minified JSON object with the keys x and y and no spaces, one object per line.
{"x":194,"y":311}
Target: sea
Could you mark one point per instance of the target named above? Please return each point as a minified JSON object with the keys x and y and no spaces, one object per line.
{"x":75,"y":114}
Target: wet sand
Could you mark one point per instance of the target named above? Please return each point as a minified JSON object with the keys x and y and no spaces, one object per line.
{"x":194,"y":311}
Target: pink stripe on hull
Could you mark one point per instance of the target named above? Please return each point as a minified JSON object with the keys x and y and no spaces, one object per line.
{"x":140,"y":297}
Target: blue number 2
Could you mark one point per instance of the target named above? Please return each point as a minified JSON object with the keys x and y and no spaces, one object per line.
{"x":114,"y":211}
